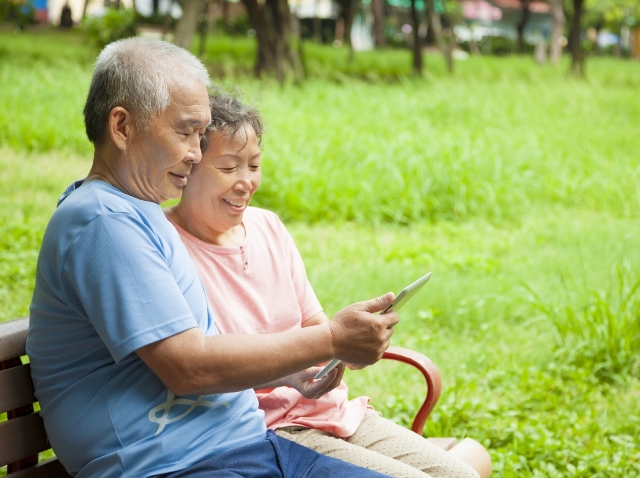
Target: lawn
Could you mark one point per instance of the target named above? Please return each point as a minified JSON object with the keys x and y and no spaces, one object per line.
{"x":516,"y":185}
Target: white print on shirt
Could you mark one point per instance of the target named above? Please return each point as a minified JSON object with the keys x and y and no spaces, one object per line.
{"x":165,"y":408}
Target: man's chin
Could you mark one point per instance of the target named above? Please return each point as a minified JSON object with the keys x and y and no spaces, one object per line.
{"x":171,"y":193}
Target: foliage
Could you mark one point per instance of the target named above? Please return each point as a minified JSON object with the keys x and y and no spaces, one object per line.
{"x":528,"y":175}
{"x":612,"y":14}
{"x":602,"y":335}
{"x":116,"y":23}
{"x":19,"y":12}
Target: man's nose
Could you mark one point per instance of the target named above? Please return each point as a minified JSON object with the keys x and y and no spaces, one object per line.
{"x":194,"y":155}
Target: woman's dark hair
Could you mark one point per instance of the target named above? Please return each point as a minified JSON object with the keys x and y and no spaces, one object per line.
{"x":229,"y":114}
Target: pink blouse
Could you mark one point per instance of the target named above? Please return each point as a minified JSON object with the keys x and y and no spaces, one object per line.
{"x":261,"y":287}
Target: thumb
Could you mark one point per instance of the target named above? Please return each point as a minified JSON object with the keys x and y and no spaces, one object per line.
{"x":376,"y":305}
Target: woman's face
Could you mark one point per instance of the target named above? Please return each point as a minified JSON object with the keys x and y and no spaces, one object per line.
{"x":221,"y":186}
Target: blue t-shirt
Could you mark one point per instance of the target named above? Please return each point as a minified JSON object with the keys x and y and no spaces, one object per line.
{"x":112,"y":277}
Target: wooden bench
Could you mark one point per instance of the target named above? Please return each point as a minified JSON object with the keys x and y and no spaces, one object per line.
{"x":22,"y":435}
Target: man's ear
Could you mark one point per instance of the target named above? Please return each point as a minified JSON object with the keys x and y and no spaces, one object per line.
{"x":120,"y":127}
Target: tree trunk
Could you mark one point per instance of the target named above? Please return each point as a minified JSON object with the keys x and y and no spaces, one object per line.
{"x":203,"y":26}
{"x":435,"y":23}
{"x":186,"y":26}
{"x":155,"y":8}
{"x":557,"y":28}
{"x":577,"y":54}
{"x":347,"y":12}
{"x":225,"y":16}
{"x":272,"y":22}
{"x":524,"y":19}
{"x":377,"y":9}
{"x":417,"y":44}
{"x":166,"y":23}
{"x":297,"y":37}
{"x":257,"y":13}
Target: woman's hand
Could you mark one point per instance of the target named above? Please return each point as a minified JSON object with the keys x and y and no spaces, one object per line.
{"x":355,"y":367}
{"x":304,"y":383}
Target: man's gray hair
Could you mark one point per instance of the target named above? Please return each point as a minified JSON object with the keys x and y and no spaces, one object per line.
{"x":136,"y":74}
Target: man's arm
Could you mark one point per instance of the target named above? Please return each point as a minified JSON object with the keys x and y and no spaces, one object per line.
{"x":191,"y":363}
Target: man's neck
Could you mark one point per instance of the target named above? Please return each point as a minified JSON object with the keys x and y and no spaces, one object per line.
{"x":108,"y":167}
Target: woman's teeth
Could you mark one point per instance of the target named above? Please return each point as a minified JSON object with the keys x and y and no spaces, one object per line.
{"x":235,"y":204}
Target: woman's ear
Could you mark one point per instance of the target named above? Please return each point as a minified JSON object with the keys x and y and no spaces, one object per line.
{"x":119,"y":127}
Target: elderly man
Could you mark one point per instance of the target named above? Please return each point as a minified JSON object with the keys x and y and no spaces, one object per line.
{"x":131,"y":374}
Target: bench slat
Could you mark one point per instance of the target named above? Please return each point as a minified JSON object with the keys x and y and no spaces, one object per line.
{"x":16,"y":388}
{"x":50,"y":468}
{"x":13,"y":335}
{"x":22,"y":437}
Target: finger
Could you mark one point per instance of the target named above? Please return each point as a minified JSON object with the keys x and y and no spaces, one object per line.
{"x":375,"y":305}
{"x":320,"y":387}
{"x":391,"y":318}
{"x":334,"y":379}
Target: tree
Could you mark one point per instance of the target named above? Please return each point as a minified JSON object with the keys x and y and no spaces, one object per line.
{"x":377,"y":9}
{"x":575,"y":42}
{"x":522,"y":23}
{"x":347,"y":12}
{"x":557,"y":27}
{"x":271,"y":20}
{"x":186,"y":26}
{"x":435,"y":23}
{"x":417,"y":41}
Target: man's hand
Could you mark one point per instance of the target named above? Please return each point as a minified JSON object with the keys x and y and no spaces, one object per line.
{"x":358,"y":335}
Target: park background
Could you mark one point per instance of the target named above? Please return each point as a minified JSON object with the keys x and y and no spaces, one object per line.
{"x":513,"y":177}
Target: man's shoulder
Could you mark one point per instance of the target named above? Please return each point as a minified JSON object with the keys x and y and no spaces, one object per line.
{"x":82,"y":204}
{"x":95,"y":198}
{"x":97,"y":203}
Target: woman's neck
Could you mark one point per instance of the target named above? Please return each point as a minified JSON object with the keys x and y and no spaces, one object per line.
{"x":231,"y":237}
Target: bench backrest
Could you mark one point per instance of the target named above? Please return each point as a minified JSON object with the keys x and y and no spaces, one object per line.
{"x":22,"y":434}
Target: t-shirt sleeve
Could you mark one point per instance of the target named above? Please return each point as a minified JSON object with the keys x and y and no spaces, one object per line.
{"x":116,"y":275}
{"x":309,"y":303}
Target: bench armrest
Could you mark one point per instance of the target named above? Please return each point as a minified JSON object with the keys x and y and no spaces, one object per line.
{"x":431,"y":375}
{"x":13,"y":335}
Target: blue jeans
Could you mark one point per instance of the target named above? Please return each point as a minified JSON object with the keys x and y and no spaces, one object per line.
{"x":274,"y":457}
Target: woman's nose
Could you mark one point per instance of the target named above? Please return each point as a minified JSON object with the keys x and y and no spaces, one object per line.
{"x":243,"y":182}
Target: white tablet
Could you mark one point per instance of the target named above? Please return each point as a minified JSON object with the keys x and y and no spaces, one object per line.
{"x":401,"y":299}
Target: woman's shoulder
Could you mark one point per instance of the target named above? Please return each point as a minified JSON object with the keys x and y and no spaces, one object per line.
{"x":262,"y":216}
{"x":266,"y":221}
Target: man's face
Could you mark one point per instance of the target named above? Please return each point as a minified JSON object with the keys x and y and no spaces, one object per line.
{"x":159,"y":160}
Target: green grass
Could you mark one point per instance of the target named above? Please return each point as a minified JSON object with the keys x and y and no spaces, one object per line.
{"x":503,"y":179}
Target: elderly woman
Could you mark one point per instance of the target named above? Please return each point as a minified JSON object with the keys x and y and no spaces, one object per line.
{"x":256,"y":283}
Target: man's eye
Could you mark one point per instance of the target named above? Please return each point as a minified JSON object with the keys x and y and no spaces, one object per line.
{"x":255,"y":167}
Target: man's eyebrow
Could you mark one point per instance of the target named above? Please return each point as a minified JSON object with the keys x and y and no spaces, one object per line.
{"x":193,"y":122}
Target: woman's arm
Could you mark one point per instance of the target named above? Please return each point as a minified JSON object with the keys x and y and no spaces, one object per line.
{"x":318,"y":319}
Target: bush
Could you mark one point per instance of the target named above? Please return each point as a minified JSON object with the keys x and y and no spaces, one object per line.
{"x":602,"y":333}
{"x":113,"y":25}
{"x":20,"y":12}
